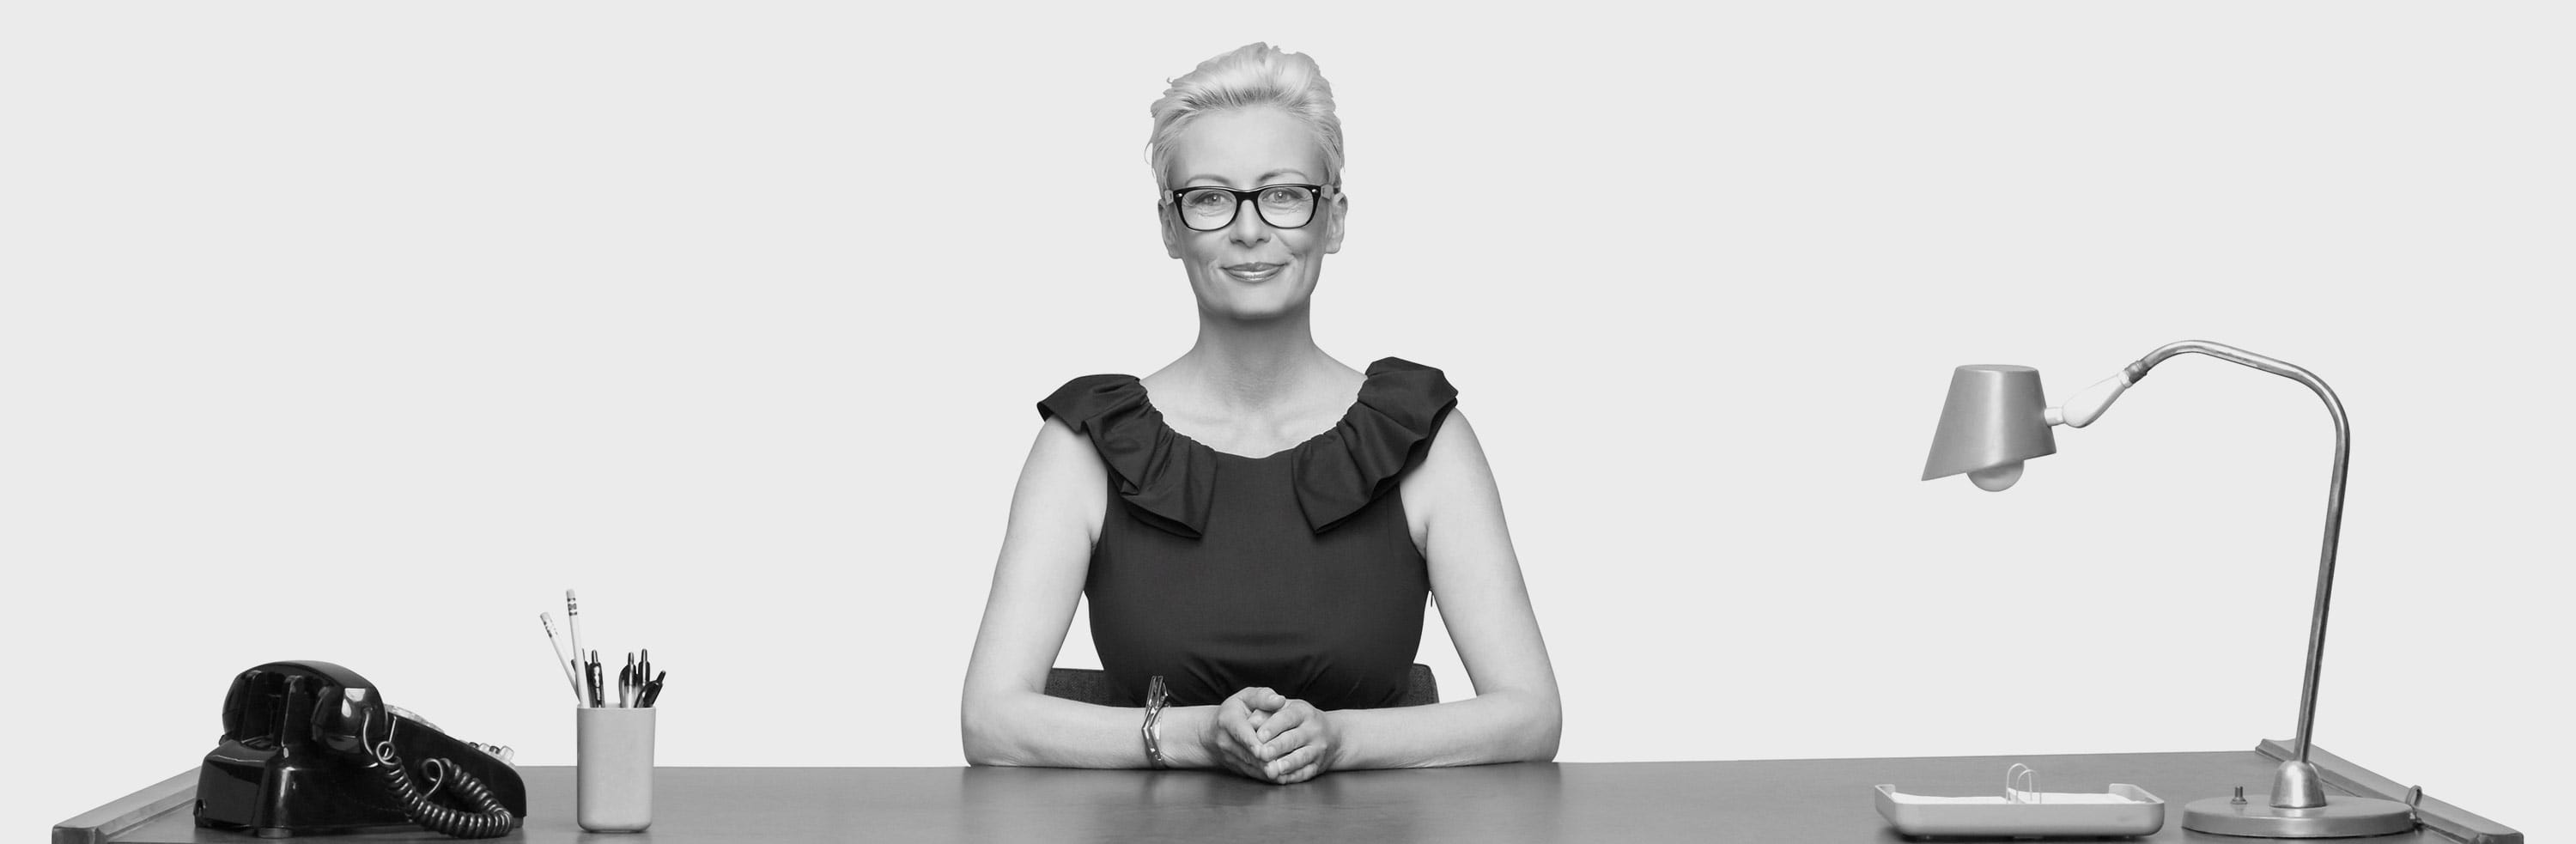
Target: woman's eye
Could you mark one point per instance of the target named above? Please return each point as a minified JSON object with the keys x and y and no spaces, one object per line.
{"x":1206,"y":202}
{"x":1283,"y":197}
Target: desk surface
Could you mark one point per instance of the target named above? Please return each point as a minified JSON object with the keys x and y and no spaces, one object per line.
{"x":1805,"y":800}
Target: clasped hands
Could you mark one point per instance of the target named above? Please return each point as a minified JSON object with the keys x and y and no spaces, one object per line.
{"x":1267,"y":736}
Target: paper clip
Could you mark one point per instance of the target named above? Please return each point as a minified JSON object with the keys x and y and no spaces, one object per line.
{"x":2021,"y":784}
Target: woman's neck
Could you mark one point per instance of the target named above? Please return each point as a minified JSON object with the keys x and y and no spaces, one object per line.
{"x":1252,"y":365}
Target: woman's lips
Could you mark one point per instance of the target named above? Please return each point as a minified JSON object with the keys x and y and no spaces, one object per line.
{"x":1253,"y":273}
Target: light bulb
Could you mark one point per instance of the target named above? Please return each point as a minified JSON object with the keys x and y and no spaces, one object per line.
{"x":1996,"y":478}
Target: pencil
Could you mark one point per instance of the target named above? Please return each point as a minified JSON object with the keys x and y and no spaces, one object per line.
{"x":548,"y":620}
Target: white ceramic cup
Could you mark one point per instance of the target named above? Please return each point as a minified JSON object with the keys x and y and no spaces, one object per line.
{"x":615,"y":768}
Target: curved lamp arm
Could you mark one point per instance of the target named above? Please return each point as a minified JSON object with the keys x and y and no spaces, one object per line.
{"x":2296,"y":785}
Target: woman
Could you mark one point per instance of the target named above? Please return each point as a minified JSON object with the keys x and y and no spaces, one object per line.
{"x":1257,"y":524}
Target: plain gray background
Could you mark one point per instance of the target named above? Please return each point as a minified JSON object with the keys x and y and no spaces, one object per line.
{"x":359,"y":333}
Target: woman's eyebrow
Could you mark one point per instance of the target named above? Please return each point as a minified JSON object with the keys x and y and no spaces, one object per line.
{"x":1291,"y":171}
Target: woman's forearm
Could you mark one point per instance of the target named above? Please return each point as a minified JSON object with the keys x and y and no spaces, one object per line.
{"x":1033,"y":730}
{"x":1505,"y":726}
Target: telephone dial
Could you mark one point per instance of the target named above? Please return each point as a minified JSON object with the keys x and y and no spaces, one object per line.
{"x":311,"y":747}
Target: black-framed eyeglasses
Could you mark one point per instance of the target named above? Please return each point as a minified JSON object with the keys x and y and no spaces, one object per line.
{"x":1207,"y":209}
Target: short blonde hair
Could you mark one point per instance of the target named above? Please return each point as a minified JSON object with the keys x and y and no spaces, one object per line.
{"x":1251,"y":75}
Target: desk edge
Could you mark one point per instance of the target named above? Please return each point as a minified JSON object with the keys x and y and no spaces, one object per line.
{"x":2443,"y":817}
{"x":97,"y":826}
{"x":101,"y":825}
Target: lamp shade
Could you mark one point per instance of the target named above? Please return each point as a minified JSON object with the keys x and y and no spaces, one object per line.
{"x":1994,"y":419}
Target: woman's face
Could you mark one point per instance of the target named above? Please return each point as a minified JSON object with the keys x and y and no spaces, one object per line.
{"x":1250,"y":269}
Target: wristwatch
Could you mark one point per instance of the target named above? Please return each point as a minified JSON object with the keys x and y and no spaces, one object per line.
{"x":1155,"y":697}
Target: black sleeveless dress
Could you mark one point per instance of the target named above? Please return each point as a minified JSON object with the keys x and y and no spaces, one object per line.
{"x":1294,"y":571}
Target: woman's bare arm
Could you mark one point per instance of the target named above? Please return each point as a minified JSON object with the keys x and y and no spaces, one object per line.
{"x":1515,"y":715}
{"x":1006,"y":717}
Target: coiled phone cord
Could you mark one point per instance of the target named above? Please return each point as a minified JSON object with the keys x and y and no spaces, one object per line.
{"x":490,"y":820}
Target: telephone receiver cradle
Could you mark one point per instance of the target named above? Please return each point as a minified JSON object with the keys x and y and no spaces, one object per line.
{"x":310,"y":747}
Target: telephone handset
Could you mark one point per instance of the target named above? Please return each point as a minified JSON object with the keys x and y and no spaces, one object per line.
{"x":311,"y":747}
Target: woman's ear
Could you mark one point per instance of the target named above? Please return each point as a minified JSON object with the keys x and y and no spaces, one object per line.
{"x":1171,"y":233}
{"x":1333,"y":222}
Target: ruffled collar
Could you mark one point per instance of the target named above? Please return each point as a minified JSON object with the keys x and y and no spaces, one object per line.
{"x":1170,"y":479}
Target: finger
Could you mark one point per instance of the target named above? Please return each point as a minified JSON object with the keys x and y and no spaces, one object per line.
{"x":1234,"y":722}
{"x":1220,"y":731}
{"x":1287,"y":718}
{"x":1299,"y":758}
{"x":1256,"y":699}
{"x":1238,"y":766}
{"x":1232,"y":754}
{"x":1243,"y":759}
{"x":1300,"y":775}
{"x":1259,"y":697}
{"x":1305,"y":735}
{"x":1240,"y":732}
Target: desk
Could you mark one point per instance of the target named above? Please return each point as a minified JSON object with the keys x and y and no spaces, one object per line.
{"x":1802,"y":800}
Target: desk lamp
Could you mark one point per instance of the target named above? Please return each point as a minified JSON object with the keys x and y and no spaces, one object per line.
{"x":1995,"y":418}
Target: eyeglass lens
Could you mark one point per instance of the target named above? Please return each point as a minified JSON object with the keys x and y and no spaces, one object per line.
{"x":1282,"y":206}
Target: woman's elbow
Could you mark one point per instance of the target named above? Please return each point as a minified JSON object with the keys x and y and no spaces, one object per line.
{"x":981,"y":753}
{"x":987,"y":753}
{"x":1542,"y":746}
{"x":1546,"y":729}
{"x":980,"y":734}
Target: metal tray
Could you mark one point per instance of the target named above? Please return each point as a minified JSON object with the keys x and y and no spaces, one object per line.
{"x":2123,"y":810}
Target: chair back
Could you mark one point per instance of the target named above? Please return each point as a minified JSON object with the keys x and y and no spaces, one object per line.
{"x":1091,"y":685}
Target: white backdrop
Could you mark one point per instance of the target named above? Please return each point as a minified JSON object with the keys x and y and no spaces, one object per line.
{"x":359,"y":333}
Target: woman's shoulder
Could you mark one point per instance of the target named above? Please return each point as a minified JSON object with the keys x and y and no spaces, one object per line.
{"x":1402,"y":387}
{"x":1090,"y":397}
{"x":1384,"y":436}
{"x":1162,"y":474}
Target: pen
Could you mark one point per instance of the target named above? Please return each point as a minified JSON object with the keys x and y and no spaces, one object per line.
{"x":597,"y":698}
{"x":653,"y":690}
{"x":626,"y":686}
{"x":548,"y":620}
{"x":572,"y":619}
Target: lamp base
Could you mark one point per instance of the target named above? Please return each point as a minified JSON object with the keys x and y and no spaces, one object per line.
{"x":2340,"y":817}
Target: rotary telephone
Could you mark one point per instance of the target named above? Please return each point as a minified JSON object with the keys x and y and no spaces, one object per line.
{"x":310,"y":747}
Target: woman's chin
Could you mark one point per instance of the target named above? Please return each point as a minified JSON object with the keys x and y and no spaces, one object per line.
{"x":1257,"y":308}
{"x":1247,"y":315}
{"x":1271,"y":300}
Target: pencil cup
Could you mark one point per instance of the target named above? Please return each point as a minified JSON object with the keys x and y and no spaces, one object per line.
{"x":616,"y":768}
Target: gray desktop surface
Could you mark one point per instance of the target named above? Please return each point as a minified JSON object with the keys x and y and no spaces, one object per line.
{"x":1804,"y":800}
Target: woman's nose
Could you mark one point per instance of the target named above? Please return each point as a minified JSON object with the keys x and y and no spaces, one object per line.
{"x":1248,"y":229}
